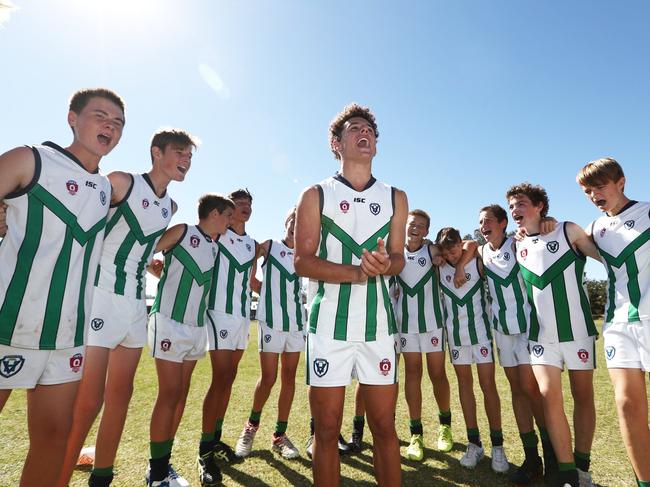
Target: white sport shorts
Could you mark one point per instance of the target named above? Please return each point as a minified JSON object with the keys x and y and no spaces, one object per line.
{"x":627,"y":345}
{"x":23,"y":368}
{"x":227,"y":332}
{"x":117,"y":320}
{"x":175,"y":342}
{"x":576,"y":355}
{"x":278,"y":341}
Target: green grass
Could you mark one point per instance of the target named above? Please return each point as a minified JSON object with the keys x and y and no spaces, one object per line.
{"x":609,"y":461}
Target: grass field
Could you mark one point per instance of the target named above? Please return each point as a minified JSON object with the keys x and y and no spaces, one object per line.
{"x":609,"y":462}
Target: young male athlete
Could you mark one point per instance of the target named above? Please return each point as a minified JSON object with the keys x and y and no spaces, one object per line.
{"x":470,"y":342}
{"x":341,"y":228}
{"x":57,"y":203}
{"x":140,"y":211}
{"x":622,"y":237}
{"x":177,"y":335}
{"x":562,"y":331}
{"x":281,"y":337}
{"x":421,"y":325}
{"x":228,"y":322}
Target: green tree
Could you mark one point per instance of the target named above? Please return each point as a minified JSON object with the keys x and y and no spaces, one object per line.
{"x":597,"y":292}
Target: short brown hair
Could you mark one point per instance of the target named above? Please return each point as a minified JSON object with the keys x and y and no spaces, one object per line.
{"x":240,"y":194}
{"x":213,"y":201}
{"x":497,"y":211}
{"x":163,"y":137}
{"x":291,"y":213}
{"x":350,"y":111}
{"x":599,"y":172}
{"x":448,"y":237}
{"x":535,"y":193}
{"x":80,"y":98}
{"x":421,"y":213}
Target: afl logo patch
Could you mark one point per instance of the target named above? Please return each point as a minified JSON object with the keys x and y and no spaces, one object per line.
{"x":553,"y":246}
{"x":345,"y":206}
{"x":435,"y":341}
{"x":10,"y":365}
{"x":385,"y":366}
{"x":145,"y":203}
{"x":455,"y":354}
{"x":165,"y":345}
{"x":422,"y":261}
{"x":523,"y":253}
{"x":165,"y":212}
{"x":484,"y":351}
{"x":583,"y":355}
{"x":629,"y":224}
{"x":538,"y":350}
{"x":97,"y":324}
{"x":194,"y":241}
{"x":102,"y":198}
{"x":267,"y":338}
{"x":72,"y":187}
{"x":75,"y":362}
{"x":375,"y":208}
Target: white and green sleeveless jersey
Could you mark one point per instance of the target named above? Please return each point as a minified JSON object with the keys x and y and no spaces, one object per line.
{"x":553,"y":271}
{"x":186,"y":277}
{"x":624,"y":243}
{"x":231,"y":288}
{"x":465,"y":308}
{"x":350,"y":222}
{"x":49,"y":255}
{"x":280,"y":304}
{"x":134,"y":227}
{"x":511,"y":311}
{"x":418,"y":308}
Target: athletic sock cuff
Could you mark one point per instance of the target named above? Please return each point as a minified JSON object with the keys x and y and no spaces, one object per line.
{"x":255,"y":416}
{"x":566,"y":467}
{"x":528,"y":439}
{"x":102,"y":472}
{"x":160,"y":449}
{"x":281,"y":427}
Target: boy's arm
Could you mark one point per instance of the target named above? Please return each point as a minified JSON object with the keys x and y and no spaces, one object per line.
{"x":168,"y":240}
{"x":470,"y":251}
{"x":120,"y":185}
{"x":307,"y":238}
{"x":3,"y":219}
{"x":581,"y":241}
{"x":262,"y":251}
{"x":17,"y":168}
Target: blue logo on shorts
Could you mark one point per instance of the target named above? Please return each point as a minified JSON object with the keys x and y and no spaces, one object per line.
{"x":223,"y":333}
{"x":403,"y":341}
{"x":610,"y":352}
{"x":321,"y":366}
{"x":267,"y":338}
{"x":10,"y":365}
{"x":538,"y":350}
{"x":97,"y":324}
{"x":455,"y":353}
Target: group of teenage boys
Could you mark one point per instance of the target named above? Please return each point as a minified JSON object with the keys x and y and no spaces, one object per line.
{"x":73,"y":319}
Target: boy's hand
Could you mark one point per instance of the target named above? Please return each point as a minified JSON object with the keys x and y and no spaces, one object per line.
{"x":459,"y":277}
{"x":156,"y":267}
{"x":520,"y":234}
{"x":377,"y":262}
{"x":547,"y":225}
{"x":3,"y":220}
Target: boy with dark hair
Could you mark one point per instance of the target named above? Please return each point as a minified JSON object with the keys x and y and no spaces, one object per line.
{"x":57,"y":204}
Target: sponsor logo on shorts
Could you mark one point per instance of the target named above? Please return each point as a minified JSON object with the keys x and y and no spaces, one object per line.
{"x":321,"y":366}
{"x":375,"y":208}
{"x":484,"y":351}
{"x":538,"y":350}
{"x":75,"y":362}
{"x":10,"y":365}
{"x":72,"y":187}
{"x":165,"y":212}
{"x":468,"y":276}
{"x":97,"y":324}
{"x":385,"y":366}
{"x":583,"y":355}
{"x":422,"y":261}
{"x":267,"y":338}
{"x":523,"y":253}
{"x":629,"y":224}
{"x":455,"y":354}
{"x":194,"y":241}
{"x":553,"y":246}
{"x":435,"y":341}
{"x":166,"y":345}
{"x":402,"y":341}
{"x":602,"y":232}
{"x":102,"y":198}
{"x":610,"y":352}
{"x":223,"y":333}
{"x":506,"y":256}
{"x":345,"y":206}
{"x":145,"y":203}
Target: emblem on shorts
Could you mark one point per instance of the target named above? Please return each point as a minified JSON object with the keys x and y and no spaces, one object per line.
{"x":165,"y":345}
{"x":345,"y":206}
{"x":385,"y":366}
{"x":97,"y":324}
{"x":402,"y":341}
{"x":194,"y":241}
{"x":422,"y":261}
{"x":553,"y":246}
{"x":455,"y":354}
{"x":375,"y":208}
{"x":538,"y":350}
{"x":248,"y":247}
{"x":602,"y":232}
{"x":583,"y":355}
{"x":75,"y":362}
{"x":283,"y":254}
{"x":102,"y":198}
{"x":165,"y":212}
{"x":321,"y":366}
{"x":434,"y":341}
{"x":484,"y":351}
{"x":223,"y":333}
{"x":629,"y":224}
{"x":610,"y":352}
{"x":267,"y":338}
{"x":10,"y":365}
{"x":468,"y":276}
{"x":448,"y":278}
{"x":145,"y":203}
{"x":523,"y":253}
{"x":72,"y":187}
{"x":506,"y":256}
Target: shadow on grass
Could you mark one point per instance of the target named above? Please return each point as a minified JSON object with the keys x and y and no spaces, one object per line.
{"x":282,"y":466}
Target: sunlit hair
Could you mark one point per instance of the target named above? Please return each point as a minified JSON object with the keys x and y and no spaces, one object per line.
{"x":600,"y":172}
{"x":291,"y":214}
{"x":240,"y":194}
{"x":213,"y":201}
{"x":80,"y":98}
{"x":448,"y":237}
{"x":535,"y":193}
{"x":163,"y":137}
{"x":422,"y":214}
{"x":497,"y":212}
{"x":350,"y":111}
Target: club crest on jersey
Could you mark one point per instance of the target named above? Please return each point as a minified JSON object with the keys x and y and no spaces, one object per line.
{"x":165,"y":345}
{"x":345,"y":206}
{"x":248,"y":247}
{"x":538,"y":350}
{"x":97,"y":324}
{"x":145,"y":203}
{"x":610,"y":352}
{"x":321,"y":366}
{"x":267,"y":338}
{"x":102,"y":198}
{"x":602,"y":232}
{"x":583,"y":355}
{"x":455,"y":354}
{"x":223,"y":333}
{"x":523,"y":253}
{"x":165,"y":212}
{"x":484,"y":351}
{"x":629,"y":224}
{"x":375,"y":208}
{"x":194,"y":241}
{"x":553,"y":246}
{"x":283,"y":254}
{"x":448,"y":278}
{"x":10,"y":365}
{"x":468,"y":276}
{"x":422,"y":261}
{"x":385,"y":366}
{"x":72,"y":187}
{"x":506,"y":256}
{"x":402,"y":341}
{"x":75,"y":362}
{"x":435,"y":341}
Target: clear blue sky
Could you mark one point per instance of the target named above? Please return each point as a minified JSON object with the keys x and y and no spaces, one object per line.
{"x":470,"y":96}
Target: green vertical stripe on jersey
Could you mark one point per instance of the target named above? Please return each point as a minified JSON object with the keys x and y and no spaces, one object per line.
{"x":388,"y":307}
{"x":466,"y":301}
{"x":633,"y":288}
{"x":405,"y":312}
{"x":212,"y":297}
{"x":297,"y":297}
{"x":268,"y":298}
{"x":512,"y":279}
{"x":81,"y":306}
{"x":320,"y":292}
{"x":235,"y":266}
{"x":371,"y":309}
{"x":584,"y":300}
{"x":422,"y":322}
{"x":200,"y":320}
{"x":342,"y":309}
{"x":16,"y":289}
{"x":283,"y":303}
{"x":182,"y":296}
{"x":121,"y":257}
{"x":417,"y":291}
{"x":484,"y":315}
{"x":561,"y":305}
{"x":611,"y":293}
{"x":230,"y":288}
{"x":244,"y":294}
{"x":141,"y":266}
